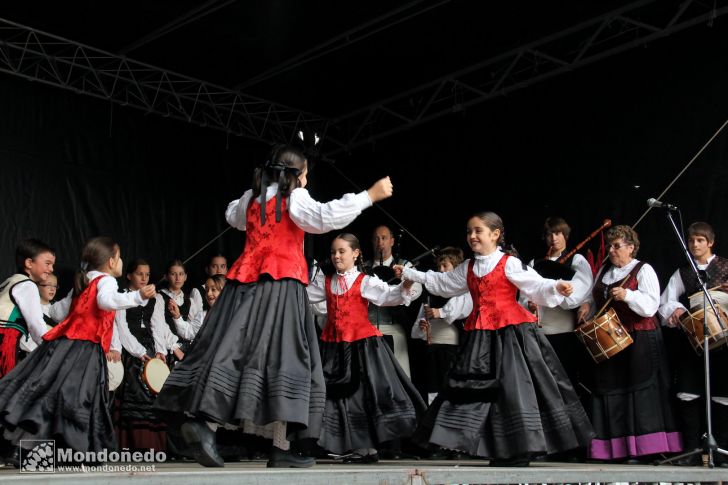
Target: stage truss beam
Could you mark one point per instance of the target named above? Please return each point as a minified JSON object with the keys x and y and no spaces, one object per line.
{"x":580,"y":45}
{"x":38,"y":56}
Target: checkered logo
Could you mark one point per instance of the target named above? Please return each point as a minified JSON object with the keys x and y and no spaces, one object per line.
{"x":37,"y":456}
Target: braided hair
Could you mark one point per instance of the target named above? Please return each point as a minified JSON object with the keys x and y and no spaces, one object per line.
{"x":285,"y":165}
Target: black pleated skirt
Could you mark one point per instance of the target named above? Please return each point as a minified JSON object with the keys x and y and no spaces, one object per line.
{"x":377,"y":404}
{"x":506,"y":396}
{"x":135,"y":400}
{"x":631,"y":403}
{"x":60,"y":391}
{"x":255,"y":358}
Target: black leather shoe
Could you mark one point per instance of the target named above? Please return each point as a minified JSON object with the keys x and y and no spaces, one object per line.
{"x":201,"y":441}
{"x":14,"y":458}
{"x":289,"y":459}
{"x":518,"y":461}
{"x":389,"y":454}
{"x":361,"y":459}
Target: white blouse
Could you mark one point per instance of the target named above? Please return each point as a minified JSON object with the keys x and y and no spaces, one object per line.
{"x":189,"y":328}
{"x":645,"y":300}
{"x":670,"y":298}
{"x":373,"y":289}
{"x":57,"y":311}
{"x":311,"y":216}
{"x":539,"y":290}
{"x":416,"y":289}
{"x":109,"y":298}
{"x":27,"y":299}
{"x":129,"y":342}
{"x":441,"y":329}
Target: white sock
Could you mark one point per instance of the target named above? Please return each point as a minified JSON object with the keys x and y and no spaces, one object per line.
{"x":279,"y":436}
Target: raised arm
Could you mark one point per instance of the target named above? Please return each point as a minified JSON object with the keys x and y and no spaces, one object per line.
{"x":317,"y":217}
{"x":452,"y":283}
{"x":381,"y":294}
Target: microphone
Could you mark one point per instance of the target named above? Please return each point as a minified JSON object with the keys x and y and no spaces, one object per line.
{"x":652,"y":202}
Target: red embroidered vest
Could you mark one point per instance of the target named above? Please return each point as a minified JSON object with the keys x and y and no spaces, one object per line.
{"x":629,"y":319}
{"x":86,"y":321}
{"x":275,"y":248}
{"x":494,"y":300}
{"x":348,"y":315}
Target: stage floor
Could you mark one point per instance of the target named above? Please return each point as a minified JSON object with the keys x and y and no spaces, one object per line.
{"x":422,"y":472}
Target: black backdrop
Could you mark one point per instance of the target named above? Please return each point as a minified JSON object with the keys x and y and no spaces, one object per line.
{"x":588,"y":145}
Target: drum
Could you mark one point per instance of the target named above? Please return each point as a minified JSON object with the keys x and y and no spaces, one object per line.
{"x":116,"y":374}
{"x":154,"y":373}
{"x":697,"y":299}
{"x":692,"y":324}
{"x":604,"y":336}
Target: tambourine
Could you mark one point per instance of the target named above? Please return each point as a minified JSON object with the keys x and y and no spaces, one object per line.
{"x":115,"y":373}
{"x":154,"y":374}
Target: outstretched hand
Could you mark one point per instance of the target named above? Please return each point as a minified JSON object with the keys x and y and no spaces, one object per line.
{"x":381,"y":190}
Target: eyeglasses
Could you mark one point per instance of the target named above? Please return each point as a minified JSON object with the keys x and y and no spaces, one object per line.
{"x":49,"y":286}
{"x":616,"y":246}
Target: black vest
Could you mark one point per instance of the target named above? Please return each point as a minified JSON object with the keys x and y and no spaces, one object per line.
{"x":717,"y":273}
{"x":184,"y":310}
{"x":139,"y":320}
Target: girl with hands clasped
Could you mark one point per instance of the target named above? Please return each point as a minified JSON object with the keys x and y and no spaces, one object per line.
{"x":255,"y":363}
{"x":139,"y":427}
{"x":369,"y":398}
{"x":69,"y":367}
{"x":507,"y":397}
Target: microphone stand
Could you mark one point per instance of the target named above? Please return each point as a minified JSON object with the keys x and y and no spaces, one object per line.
{"x":709,"y":445}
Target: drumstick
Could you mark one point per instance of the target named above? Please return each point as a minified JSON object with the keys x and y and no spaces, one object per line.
{"x":427,"y":324}
{"x":598,"y":314}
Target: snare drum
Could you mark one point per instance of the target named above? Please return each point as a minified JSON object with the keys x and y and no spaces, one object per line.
{"x":692,"y":323}
{"x":154,"y":373}
{"x":604,"y":336}
{"x":697,"y":299}
{"x":116,"y":374}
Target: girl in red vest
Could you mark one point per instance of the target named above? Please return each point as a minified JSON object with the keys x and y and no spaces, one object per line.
{"x":369,"y":398}
{"x":507,"y":397}
{"x":255,"y":362}
{"x":60,"y":391}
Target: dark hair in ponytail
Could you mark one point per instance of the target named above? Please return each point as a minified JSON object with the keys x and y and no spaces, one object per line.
{"x":95,"y":254}
{"x":493,"y":221}
{"x":283,"y":167}
{"x":354,"y":244}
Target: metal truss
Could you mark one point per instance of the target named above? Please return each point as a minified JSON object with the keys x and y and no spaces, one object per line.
{"x":614,"y":32}
{"x":46,"y":58}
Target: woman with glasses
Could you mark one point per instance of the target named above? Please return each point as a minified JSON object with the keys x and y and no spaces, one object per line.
{"x":631,"y":408}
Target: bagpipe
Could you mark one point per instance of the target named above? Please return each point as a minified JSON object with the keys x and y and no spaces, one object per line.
{"x":559,"y":270}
